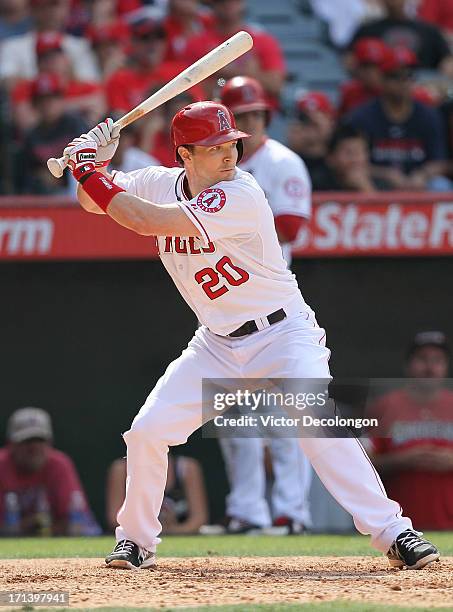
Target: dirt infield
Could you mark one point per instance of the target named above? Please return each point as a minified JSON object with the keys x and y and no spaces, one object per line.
{"x":231,"y":580}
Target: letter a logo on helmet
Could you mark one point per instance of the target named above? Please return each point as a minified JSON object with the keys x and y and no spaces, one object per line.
{"x":224,"y":124}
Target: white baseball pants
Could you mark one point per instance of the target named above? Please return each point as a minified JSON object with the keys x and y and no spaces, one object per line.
{"x":292,"y":348}
{"x":244,"y":460}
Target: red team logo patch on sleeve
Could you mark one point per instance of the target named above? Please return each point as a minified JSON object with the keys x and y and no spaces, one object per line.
{"x":211,"y":200}
{"x":294,"y":187}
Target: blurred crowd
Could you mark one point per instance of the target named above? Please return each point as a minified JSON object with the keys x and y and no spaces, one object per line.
{"x":67,"y":64}
{"x":41,"y":493}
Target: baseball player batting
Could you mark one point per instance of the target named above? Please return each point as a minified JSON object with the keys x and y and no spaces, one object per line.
{"x":286,"y":183}
{"x":217,"y":239}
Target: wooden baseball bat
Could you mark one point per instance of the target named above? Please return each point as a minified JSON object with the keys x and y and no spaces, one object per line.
{"x":210,"y":63}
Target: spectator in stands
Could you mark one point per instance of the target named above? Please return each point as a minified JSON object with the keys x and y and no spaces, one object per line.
{"x":184,"y":508}
{"x":310,"y":131}
{"x":415,"y":458}
{"x":128,"y":156}
{"x":126,"y":87}
{"x":264,"y":62}
{"x":40,"y":491}
{"x":424,"y":39}
{"x":14,"y":18}
{"x":407,"y":144}
{"x":155,"y":133}
{"x":48,"y":138}
{"x":438,"y":13}
{"x":18,"y":54}
{"x":83,"y":97}
{"x":348,"y":164}
{"x":368,"y":55}
{"x":185,"y":19}
{"x":109,"y":43}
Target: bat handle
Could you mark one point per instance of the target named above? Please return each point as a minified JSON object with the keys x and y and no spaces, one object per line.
{"x":57,"y":166}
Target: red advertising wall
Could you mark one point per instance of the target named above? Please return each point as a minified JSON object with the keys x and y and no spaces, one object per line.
{"x":342,"y":225}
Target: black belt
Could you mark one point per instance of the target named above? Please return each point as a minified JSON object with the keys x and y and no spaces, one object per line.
{"x":250,"y":327}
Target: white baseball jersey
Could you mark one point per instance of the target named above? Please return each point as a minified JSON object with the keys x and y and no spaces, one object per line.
{"x":235,"y":272}
{"x":284,"y":179}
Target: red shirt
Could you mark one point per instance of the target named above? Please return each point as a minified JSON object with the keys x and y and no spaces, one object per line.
{"x":265,"y":49}
{"x":74,"y":89}
{"x":177,"y":38}
{"x":353,"y":94}
{"x":439,"y":12}
{"x":57,"y":478}
{"x":127,"y":87}
{"x":425,"y":496}
{"x":162,"y":149}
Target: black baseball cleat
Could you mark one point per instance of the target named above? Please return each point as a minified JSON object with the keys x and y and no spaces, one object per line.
{"x":127,"y":555}
{"x":239,"y":526}
{"x":411,"y":551}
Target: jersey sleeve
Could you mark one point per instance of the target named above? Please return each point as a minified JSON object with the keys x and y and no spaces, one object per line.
{"x":292,"y":189}
{"x":141,"y":183}
{"x":224,"y":211}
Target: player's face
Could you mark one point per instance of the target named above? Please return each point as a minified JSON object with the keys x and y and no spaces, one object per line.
{"x":213,"y":164}
{"x":428,"y":362}
{"x":253,"y":123}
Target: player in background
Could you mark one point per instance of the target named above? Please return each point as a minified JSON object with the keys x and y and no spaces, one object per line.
{"x":217,"y":239}
{"x":284,"y":179}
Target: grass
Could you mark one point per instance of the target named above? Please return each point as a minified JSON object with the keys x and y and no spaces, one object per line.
{"x":203,"y":546}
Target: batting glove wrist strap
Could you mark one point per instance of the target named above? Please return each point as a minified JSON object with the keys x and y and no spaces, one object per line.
{"x":100,"y":188}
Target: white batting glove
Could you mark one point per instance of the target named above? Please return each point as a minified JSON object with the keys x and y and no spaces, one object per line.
{"x":107,"y":138}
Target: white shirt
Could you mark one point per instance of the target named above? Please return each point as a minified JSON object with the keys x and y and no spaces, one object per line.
{"x":284,"y":178}
{"x":18,"y":57}
{"x":235,"y":271}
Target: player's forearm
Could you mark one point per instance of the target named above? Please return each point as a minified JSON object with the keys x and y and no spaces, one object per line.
{"x":149,"y":219}
{"x":86,"y":202}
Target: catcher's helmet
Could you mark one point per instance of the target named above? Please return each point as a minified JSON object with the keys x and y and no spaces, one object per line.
{"x":243,"y":94}
{"x":204,"y":124}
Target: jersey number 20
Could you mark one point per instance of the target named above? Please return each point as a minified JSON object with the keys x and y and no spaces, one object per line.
{"x":208,"y":278}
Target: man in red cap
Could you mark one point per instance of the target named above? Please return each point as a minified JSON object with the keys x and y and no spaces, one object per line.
{"x":265,"y":62}
{"x":368,"y":54}
{"x":126,"y":87}
{"x":285,"y":181}
{"x":406,"y":137}
{"x":19,"y":53}
{"x":216,"y":237}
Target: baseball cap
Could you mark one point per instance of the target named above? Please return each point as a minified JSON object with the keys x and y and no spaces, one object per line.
{"x":46,"y":84}
{"x":48,"y":42}
{"x":27,"y":423}
{"x":397,"y":59}
{"x":314,"y":101}
{"x":429,"y":338}
{"x":370,"y":50}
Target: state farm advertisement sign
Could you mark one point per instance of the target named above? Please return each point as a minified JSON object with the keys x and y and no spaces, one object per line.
{"x":371,"y":229}
{"x":342,"y":225}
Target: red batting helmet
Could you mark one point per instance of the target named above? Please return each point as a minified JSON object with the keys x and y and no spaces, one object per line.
{"x":243,"y":94}
{"x":204,"y":124}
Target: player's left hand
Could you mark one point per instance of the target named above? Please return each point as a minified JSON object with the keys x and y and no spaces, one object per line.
{"x":82,"y":157}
